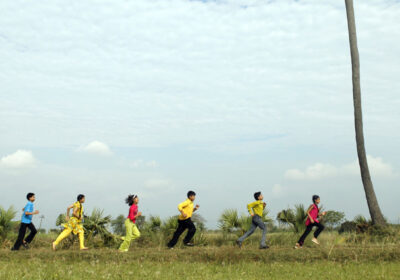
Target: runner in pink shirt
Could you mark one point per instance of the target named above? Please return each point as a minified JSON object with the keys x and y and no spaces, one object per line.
{"x":312,"y":220}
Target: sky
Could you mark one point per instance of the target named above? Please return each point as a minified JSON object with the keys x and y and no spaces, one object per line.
{"x":226,"y":98}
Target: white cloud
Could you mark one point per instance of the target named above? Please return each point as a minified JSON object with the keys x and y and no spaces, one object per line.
{"x":203,"y":72}
{"x":318,"y":171}
{"x":376,"y":165}
{"x":313,"y":172}
{"x":19,"y":159}
{"x":96,"y":148}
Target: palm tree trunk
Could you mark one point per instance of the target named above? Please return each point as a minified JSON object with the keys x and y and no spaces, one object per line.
{"x":373,"y":206}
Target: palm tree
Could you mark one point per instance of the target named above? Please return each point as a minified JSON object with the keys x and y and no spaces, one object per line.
{"x":96,"y":224}
{"x":6,"y":224}
{"x":169,"y":225}
{"x":294,"y":217}
{"x":373,"y":206}
{"x":229,"y":221}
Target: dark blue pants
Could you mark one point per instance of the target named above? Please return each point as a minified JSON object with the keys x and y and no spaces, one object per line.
{"x":21,"y":235}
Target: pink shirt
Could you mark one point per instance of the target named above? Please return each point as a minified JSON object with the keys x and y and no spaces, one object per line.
{"x":133,"y":212}
{"x":314,"y":215}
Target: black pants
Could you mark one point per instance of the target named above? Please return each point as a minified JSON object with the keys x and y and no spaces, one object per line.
{"x":320,"y":228}
{"x":21,"y":235}
{"x":182,"y":226}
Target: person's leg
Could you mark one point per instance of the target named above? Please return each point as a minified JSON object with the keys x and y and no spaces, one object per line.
{"x":191,"y":231}
{"x":81,"y":236}
{"x":320,"y":228}
{"x":181,"y":228}
{"x":128,"y":236}
{"x":306,"y":232}
{"x":21,"y":235}
{"x":62,"y":235}
{"x":263,"y":227}
{"x":135,"y":232}
{"x":248,"y":233}
{"x":33,"y":230}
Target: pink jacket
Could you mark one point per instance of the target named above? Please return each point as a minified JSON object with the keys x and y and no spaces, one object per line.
{"x":133,"y":210}
{"x":314,"y":215}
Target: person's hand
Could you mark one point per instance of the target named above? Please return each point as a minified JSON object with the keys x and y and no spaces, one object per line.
{"x":197,"y":206}
{"x":184,"y":215}
{"x":264,"y":204}
{"x":312,"y":221}
{"x":36,"y":212}
{"x":67,"y":218}
{"x":324,"y":213}
{"x":252,"y":214}
{"x":139,"y":214}
{"x":23,"y":209}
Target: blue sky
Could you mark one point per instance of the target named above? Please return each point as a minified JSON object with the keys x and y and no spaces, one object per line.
{"x":109,"y":98}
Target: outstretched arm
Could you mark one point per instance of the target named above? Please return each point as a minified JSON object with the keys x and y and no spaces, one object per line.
{"x":68,"y":209}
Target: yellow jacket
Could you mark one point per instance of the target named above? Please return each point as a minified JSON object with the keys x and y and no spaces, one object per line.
{"x":256,"y":207}
{"x":187,"y":208}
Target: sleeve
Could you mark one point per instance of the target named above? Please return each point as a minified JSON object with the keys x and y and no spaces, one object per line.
{"x":183,"y":205}
{"x":251,"y":206}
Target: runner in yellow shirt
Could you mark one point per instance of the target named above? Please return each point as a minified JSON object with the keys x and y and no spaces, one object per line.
{"x":256,"y":209}
{"x":184,"y":221}
{"x":73,"y":224}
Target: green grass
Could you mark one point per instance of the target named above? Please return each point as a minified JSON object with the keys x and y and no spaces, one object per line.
{"x":339,"y":257}
{"x":226,"y":262}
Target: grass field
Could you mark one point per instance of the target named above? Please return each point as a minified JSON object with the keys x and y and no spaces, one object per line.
{"x":361,"y":261}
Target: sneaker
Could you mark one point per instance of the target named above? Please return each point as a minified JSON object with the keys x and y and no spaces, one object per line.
{"x":189,"y":244}
{"x":264,"y":247}
{"x":170,"y":248}
{"x":26,"y":246}
{"x":315,"y":241}
{"x":297,"y":246}
{"x":239,"y":243}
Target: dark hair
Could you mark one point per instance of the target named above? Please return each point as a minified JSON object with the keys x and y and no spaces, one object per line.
{"x":29,"y":195}
{"x":129,"y":200}
{"x":314,"y":198}
{"x":190,"y":193}
{"x":257,"y":195}
{"x":80,"y":196}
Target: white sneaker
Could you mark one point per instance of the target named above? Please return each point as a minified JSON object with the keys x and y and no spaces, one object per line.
{"x":315,"y":241}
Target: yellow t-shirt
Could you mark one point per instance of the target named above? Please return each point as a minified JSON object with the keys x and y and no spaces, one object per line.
{"x":256,"y":207}
{"x":187,"y":208}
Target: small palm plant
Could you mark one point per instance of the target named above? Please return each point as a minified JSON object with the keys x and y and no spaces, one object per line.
{"x":169,"y":225}
{"x":6,"y":223}
{"x":229,"y":221}
{"x":294,"y":217}
{"x":96,"y":225}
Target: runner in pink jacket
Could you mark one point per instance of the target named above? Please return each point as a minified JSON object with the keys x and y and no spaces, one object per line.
{"x":312,"y":220}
